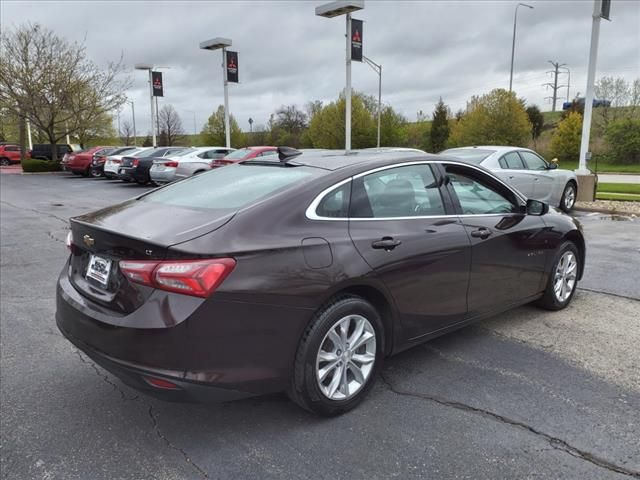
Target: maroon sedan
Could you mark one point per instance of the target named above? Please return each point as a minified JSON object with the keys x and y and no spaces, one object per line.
{"x":302,"y":271}
{"x":80,"y":163}
{"x":244,"y":154}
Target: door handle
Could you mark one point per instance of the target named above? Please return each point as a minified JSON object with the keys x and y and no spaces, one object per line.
{"x":385,"y":243}
{"x":482,"y":233}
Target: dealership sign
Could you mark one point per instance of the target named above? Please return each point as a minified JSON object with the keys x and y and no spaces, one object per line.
{"x":232,"y":66}
{"x":356,"y":40}
{"x":156,"y":81}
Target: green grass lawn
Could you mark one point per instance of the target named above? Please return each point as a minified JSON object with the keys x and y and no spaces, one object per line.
{"x":603,"y":167}
{"x":626,"y":197}
{"x":632,"y":188}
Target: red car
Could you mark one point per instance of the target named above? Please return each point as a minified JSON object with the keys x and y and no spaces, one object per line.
{"x":244,"y":154}
{"x":80,"y":162}
{"x":9,"y":154}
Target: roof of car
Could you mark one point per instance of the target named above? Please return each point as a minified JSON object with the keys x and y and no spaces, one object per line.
{"x":497,"y":148}
{"x":337,"y":159}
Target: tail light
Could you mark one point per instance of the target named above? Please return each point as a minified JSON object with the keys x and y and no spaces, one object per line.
{"x":116,"y":161}
{"x":220,"y":163}
{"x":135,"y":162}
{"x":171,"y":164}
{"x":69,"y":241}
{"x":198,"y":278}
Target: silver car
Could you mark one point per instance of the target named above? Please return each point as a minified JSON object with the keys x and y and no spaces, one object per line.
{"x":525,"y":170}
{"x":189,"y":162}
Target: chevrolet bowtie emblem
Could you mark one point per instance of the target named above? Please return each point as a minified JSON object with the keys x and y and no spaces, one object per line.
{"x":88,"y":241}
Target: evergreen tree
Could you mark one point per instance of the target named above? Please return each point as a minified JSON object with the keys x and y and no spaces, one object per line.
{"x":440,"y":127}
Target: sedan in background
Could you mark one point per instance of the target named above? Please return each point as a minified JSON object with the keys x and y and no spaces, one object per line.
{"x":79,"y":163}
{"x":136,"y":168}
{"x":527,"y":171}
{"x":244,"y":154}
{"x":186,"y":163}
{"x":99,"y":159}
{"x":301,"y":272}
{"x":112,"y":162}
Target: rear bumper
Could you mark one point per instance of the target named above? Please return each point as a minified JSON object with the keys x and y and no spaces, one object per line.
{"x":163,"y":176}
{"x":127,"y":173}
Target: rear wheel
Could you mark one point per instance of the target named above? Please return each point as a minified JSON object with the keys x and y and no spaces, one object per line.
{"x":338,"y":357}
{"x":5,"y":162}
{"x":569,"y":195}
{"x":563,"y":278}
{"x":95,"y":172}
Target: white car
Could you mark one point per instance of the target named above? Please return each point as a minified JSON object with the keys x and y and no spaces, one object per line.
{"x":187,"y":163}
{"x":112,"y":163}
{"x":525,"y":170}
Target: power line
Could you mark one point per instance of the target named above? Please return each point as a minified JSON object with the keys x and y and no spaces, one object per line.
{"x":554,"y":86}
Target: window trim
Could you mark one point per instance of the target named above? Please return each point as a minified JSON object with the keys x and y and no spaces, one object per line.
{"x":506,"y":167}
{"x":311,"y":214}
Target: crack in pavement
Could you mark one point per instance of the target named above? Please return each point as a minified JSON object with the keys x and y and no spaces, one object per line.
{"x":608,"y":293}
{"x":156,"y":427}
{"x":154,"y":420}
{"x":39,"y":212}
{"x":554,"y":442}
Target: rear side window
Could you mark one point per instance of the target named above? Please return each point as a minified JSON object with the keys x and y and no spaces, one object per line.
{"x":511,"y":161}
{"x":336,"y":203}
{"x":407,"y":191}
{"x":471,"y":155}
{"x":533,"y":161}
{"x":232,"y":187}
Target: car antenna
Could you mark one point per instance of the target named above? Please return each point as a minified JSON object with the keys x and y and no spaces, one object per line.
{"x":287,"y":153}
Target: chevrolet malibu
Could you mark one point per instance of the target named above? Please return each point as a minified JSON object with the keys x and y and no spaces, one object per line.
{"x":301,"y":272}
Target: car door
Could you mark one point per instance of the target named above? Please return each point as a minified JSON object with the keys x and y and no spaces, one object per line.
{"x":515,"y":173}
{"x":508,"y":246}
{"x":544,"y":179}
{"x":404,"y":228}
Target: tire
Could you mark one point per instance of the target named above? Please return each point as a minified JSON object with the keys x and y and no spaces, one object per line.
{"x":305,"y":388}
{"x":95,"y":173}
{"x":5,"y":162}
{"x":569,"y":196}
{"x":552,"y":299}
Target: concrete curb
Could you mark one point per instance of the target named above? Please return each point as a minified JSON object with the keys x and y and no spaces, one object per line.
{"x":604,"y":210}
{"x":42,"y":173}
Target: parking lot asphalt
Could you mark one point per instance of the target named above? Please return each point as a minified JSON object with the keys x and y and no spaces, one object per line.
{"x":528,"y":394}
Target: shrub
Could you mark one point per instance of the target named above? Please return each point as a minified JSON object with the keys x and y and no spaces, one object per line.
{"x":565,"y":143}
{"x":35,"y":165}
{"x":623,"y":140}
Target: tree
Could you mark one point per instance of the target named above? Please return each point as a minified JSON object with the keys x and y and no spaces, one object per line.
{"x":565,"y":143}
{"x":170,"y":126}
{"x":312,"y":108}
{"x":392,"y":131}
{"x":624,"y":98}
{"x":623,"y":140}
{"x":287,"y":126}
{"x":147,"y":141}
{"x":537,"y":122}
{"x":53,"y":84}
{"x":497,"y":118}
{"x":213,"y":132}
{"x":326,"y":129}
{"x":100,"y":127}
{"x":126,"y":133}
{"x":440,"y":127}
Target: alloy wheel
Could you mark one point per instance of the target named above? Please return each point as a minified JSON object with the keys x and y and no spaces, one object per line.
{"x":346,"y":357}
{"x":564,"y":279}
{"x":569,"y":197}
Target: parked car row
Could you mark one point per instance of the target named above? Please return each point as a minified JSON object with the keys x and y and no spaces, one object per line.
{"x":160,"y":165}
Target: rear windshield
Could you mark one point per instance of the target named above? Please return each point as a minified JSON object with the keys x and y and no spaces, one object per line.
{"x":471,"y":155}
{"x":231,"y":187}
{"x":148,"y":153}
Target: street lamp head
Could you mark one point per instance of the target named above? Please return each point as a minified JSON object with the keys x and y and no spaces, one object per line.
{"x":339,"y":7}
{"x":215,"y":43}
{"x":143,"y":66}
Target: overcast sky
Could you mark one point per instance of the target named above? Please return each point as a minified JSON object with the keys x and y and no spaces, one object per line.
{"x":287,"y":55}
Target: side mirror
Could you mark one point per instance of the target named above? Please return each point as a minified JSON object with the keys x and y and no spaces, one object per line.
{"x":552,"y":166}
{"x":555,"y":160}
{"x":537,"y":208}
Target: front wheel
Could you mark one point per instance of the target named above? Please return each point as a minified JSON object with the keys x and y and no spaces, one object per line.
{"x":5,"y":162}
{"x":563,"y":278}
{"x":95,"y":173}
{"x":568,"y":199}
{"x":338,"y":357}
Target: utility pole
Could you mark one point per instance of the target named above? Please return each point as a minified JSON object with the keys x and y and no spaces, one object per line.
{"x":554,"y":85}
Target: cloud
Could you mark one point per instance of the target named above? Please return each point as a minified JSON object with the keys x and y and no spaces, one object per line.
{"x":428,"y":49}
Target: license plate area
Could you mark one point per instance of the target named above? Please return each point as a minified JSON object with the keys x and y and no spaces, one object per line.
{"x":99,"y":269}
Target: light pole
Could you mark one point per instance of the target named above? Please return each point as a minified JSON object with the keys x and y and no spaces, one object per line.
{"x":146,"y":66}
{"x":378,"y":69}
{"x":194,"y":121}
{"x":334,"y":9}
{"x":133,"y":117}
{"x":216,"y":44}
{"x":513,"y":43}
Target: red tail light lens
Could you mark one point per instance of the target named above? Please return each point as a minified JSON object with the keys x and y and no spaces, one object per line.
{"x":135,"y":162}
{"x":170,"y":164}
{"x":160,"y":383}
{"x":199,"y":278}
{"x":220,"y":163}
{"x":116,"y":161}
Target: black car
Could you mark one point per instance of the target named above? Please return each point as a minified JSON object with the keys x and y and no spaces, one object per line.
{"x":97,"y":162}
{"x":44,"y":151}
{"x":137,"y":168}
{"x":302,"y":272}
